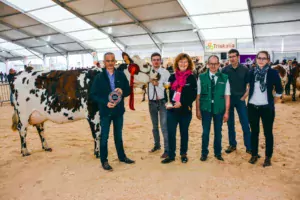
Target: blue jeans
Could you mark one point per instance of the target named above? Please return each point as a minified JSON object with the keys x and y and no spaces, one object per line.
{"x":206,"y":122}
{"x":173,"y":119}
{"x":241,"y":109}
{"x":105,"y":126}
{"x":159,"y":109}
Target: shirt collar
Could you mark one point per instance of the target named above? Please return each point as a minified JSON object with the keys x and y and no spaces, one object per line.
{"x":109,"y":73}
{"x":210,"y":74}
{"x":236,"y":67}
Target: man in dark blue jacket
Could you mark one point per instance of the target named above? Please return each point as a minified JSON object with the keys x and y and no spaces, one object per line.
{"x":105,"y":82}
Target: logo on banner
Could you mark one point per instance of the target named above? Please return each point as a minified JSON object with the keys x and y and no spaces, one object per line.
{"x":220,"y":46}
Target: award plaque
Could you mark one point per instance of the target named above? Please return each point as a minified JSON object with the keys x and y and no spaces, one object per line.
{"x":114,"y":97}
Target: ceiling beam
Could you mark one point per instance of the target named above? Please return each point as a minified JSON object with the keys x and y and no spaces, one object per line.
{"x":278,"y":4}
{"x":251,"y":20}
{"x":137,"y":22}
{"x":32,"y":36}
{"x":20,"y":44}
{"x":113,"y":39}
{"x":194,"y":25}
{"x":277,"y":22}
{"x":2,"y":59}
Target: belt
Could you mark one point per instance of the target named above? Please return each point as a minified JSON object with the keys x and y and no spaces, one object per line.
{"x":259,"y":106}
{"x":159,"y":100}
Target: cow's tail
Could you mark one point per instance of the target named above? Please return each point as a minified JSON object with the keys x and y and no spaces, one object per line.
{"x":15,"y":121}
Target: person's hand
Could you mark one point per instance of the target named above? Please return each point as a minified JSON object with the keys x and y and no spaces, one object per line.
{"x":169,"y":107}
{"x":111,"y":105}
{"x":198,"y":114}
{"x":154,"y":82}
{"x":243,"y":98}
{"x":225,"y":118}
{"x":278,"y":100}
{"x":119,"y":90}
{"x":177,"y":105}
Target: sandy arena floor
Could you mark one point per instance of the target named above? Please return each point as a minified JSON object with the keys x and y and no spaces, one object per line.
{"x":71,"y":172}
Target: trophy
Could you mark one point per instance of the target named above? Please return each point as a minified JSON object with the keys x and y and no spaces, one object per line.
{"x":167,"y":85}
{"x":114,"y":97}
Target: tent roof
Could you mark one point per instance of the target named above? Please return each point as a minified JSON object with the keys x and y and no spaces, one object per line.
{"x":45,"y":27}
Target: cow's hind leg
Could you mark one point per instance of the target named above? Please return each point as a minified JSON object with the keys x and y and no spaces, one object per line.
{"x":23,"y":132}
{"x":40,"y":129}
{"x":94,"y":122}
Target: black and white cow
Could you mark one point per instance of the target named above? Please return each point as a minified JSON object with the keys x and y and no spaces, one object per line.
{"x":58,"y":96}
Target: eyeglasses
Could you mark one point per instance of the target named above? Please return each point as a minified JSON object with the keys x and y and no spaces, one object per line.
{"x":213,"y":64}
{"x":262,"y":59}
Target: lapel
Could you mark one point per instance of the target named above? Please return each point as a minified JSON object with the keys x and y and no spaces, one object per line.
{"x":106,"y":79}
{"x":117,"y":80}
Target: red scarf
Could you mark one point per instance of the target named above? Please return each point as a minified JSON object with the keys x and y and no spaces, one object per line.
{"x":180,"y":80}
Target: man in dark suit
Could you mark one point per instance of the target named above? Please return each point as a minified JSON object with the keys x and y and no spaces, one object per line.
{"x":107,"y":81}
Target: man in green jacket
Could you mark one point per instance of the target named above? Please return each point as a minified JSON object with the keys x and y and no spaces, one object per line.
{"x":213,"y":102}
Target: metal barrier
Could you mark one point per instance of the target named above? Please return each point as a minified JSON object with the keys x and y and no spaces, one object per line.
{"x":4,"y":93}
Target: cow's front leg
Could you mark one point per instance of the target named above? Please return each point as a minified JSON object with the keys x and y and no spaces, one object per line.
{"x":40,"y":129}
{"x":23,"y":133}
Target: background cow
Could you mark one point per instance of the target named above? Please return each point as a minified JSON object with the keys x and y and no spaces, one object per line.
{"x":58,"y":96}
{"x":283,"y":76}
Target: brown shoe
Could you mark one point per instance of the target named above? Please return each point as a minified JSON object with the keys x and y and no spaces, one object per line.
{"x":165,"y":155}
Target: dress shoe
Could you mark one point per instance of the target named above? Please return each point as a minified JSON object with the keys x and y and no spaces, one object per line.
{"x":167,"y":160}
{"x":127,"y":161}
{"x":249,"y":152}
{"x":154,"y":149}
{"x":219,"y":157}
{"x":230,"y":149}
{"x":267,"y":162}
{"x":253,"y":159}
{"x":184,"y":159}
{"x":106,"y":166}
{"x":203,"y":158}
{"x":165,"y":155}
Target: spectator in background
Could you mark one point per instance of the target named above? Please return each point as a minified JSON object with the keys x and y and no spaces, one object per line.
{"x":11,"y":77}
{"x":290,"y":78}
{"x":1,"y":77}
{"x":5,"y":77}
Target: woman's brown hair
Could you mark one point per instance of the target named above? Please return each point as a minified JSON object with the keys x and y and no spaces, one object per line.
{"x":264,"y":52}
{"x":181,"y":57}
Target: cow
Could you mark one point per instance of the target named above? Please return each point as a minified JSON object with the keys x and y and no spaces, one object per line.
{"x":199,"y":69}
{"x":283,"y":76}
{"x":58,"y":96}
{"x":284,"y":79}
{"x":140,"y":66}
{"x":295,"y":80}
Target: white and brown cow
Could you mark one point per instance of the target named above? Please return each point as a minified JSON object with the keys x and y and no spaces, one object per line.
{"x":58,"y":96}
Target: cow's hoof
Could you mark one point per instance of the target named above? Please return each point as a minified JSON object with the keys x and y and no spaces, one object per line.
{"x":97,"y":154}
{"x":26,"y":154}
{"x":48,"y":149}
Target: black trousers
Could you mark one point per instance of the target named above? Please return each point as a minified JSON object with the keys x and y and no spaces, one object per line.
{"x":288,"y":85}
{"x":267,"y":115}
